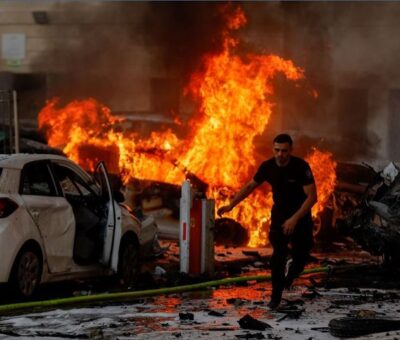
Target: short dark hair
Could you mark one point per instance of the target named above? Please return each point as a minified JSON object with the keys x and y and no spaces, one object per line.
{"x":283,"y":138}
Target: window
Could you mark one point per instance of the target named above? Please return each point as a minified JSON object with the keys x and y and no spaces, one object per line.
{"x":71,"y":183}
{"x":86,"y":204}
{"x":36,"y":180}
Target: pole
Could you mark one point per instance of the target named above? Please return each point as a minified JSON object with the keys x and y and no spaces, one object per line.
{"x":16,"y":122}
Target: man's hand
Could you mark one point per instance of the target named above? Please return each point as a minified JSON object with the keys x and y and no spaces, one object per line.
{"x":223,"y":210}
{"x":239,"y":197}
{"x":289,"y":225}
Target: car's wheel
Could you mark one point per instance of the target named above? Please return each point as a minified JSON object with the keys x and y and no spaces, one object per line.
{"x":27,"y":272}
{"x":128,"y":263}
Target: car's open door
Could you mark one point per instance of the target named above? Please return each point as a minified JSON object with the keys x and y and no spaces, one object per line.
{"x":101,"y":176}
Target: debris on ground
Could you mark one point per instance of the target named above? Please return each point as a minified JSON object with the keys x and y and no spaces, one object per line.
{"x":248,"y":322}
{"x":236,"y":301}
{"x":369,"y":291}
{"x":186,"y":316}
{"x":250,"y":336}
{"x":216,"y":313}
{"x":351,"y":327}
{"x":291,"y":312}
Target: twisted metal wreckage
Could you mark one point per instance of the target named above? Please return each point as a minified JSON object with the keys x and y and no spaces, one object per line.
{"x":374,"y":223}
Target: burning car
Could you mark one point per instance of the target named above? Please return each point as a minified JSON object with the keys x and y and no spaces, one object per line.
{"x":57,"y":222}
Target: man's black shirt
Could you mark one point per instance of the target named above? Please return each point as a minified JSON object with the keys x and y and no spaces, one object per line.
{"x":287,"y":185}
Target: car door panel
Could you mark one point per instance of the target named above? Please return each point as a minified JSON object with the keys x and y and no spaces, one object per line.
{"x":55,"y":220}
{"x":88,"y":210}
{"x":51,"y":213}
{"x":110,"y":229}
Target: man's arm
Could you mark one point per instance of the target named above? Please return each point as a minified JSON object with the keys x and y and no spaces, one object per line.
{"x":311,"y":193}
{"x":240,"y":196}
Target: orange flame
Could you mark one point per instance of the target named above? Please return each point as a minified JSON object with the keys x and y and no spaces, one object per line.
{"x":235,"y":97}
{"x":324,"y":171}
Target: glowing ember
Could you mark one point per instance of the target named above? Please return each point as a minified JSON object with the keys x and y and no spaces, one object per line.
{"x":235,"y":97}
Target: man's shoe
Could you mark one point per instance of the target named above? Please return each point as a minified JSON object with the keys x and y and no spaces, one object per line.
{"x":274,"y":303}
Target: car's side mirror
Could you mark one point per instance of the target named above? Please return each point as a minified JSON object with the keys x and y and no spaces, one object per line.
{"x":119,"y":196}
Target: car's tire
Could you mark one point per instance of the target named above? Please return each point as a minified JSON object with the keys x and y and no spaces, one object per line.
{"x":347,"y":327}
{"x":26,"y":273}
{"x":128,"y":263}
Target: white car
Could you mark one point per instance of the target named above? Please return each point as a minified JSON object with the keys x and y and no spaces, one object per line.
{"x":58,"y":223}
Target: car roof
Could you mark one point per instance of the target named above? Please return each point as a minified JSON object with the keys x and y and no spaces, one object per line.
{"x":18,"y":160}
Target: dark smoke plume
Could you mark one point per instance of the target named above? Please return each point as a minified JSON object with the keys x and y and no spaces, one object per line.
{"x":116,"y":44}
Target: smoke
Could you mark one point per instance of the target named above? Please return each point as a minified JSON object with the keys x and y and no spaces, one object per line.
{"x":133,"y":56}
{"x":183,"y":33}
{"x":350,"y":56}
{"x":92,"y":56}
{"x":138,"y":56}
{"x":365,"y":63}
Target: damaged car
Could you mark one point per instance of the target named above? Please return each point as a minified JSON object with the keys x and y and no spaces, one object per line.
{"x":57,"y":222}
{"x":375,"y":222}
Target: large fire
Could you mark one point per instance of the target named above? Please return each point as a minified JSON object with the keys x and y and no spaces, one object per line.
{"x":235,"y":97}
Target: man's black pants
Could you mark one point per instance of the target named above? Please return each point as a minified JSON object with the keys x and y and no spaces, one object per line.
{"x":301,"y":242}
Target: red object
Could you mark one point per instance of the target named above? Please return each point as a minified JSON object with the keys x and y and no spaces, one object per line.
{"x":184,"y":232}
{"x":7,"y":207}
{"x":195,"y":238}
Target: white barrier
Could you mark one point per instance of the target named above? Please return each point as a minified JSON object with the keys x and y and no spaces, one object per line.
{"x":196,"y":233}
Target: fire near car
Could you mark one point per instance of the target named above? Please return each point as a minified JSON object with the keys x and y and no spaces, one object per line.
{"x":57,"y":222}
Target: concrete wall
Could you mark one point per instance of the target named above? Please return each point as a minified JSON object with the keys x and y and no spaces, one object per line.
{"x":76,"y":51}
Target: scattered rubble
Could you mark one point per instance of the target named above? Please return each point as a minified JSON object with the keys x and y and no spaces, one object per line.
{"x":186,"y":316}
{"x":306,"y":311}
{"x":248,"y":322}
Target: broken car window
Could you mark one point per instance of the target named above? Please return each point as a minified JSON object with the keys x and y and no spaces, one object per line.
{"x":36,"y":180}
{"x":71,"y":183}
{"x":77,"y":191}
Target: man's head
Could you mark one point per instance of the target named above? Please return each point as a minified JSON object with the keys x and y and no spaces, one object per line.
{"x":282,"y":148}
